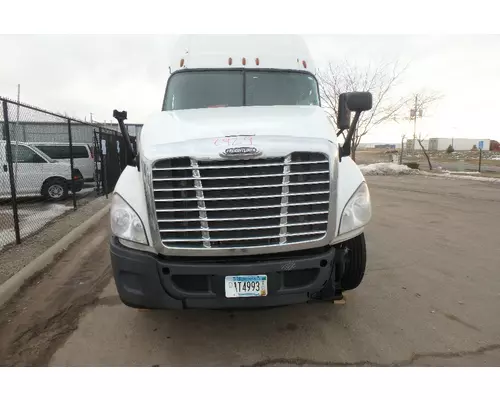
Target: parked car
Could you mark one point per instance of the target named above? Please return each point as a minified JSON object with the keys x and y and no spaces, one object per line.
{"x":83,"y":156}
{"x":36,"y":174}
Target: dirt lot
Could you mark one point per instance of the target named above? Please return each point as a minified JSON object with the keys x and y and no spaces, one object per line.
{"x":430,"y":297}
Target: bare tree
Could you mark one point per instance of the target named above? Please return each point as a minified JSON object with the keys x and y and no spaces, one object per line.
{"x":420,"y":140}
{"x":424,"y":99}
{"x":417,"y":106}
{"x":343,"y":77}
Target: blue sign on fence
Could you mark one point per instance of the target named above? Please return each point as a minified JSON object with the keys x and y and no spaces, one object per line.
{"x":481,"y":144}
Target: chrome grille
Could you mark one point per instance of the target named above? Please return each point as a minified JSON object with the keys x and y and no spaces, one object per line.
{"x":242,"y":203}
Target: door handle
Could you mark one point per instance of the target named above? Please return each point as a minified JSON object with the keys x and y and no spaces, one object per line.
{"x":5,"y":168}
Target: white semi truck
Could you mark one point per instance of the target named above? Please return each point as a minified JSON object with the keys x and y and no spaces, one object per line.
{"x":239,"y":193}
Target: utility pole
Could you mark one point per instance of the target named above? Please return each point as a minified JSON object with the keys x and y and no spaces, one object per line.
{"x":415,"y":113}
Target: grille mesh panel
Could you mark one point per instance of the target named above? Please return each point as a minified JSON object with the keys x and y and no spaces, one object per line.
{"x":242,"y":203}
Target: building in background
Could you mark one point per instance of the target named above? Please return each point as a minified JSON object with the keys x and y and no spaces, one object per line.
{"x":23,"y":131}
{"x":441,"y":144}
{"x":385,"y":146}
{"x":425,"y":143}
{"x":458,"y":144}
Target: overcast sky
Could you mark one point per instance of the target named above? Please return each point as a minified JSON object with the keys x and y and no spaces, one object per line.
{"x":83,"y":74}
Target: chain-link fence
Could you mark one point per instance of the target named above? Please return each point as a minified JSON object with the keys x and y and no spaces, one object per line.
{"x":50,"y":164}
{"x":111,"y":158}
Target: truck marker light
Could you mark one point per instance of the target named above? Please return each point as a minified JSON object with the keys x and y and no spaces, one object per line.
{"x":257,"y":62}
{"x":244,"y":61}
{"x":182,"y":62}
{"x":304,"y":64}
{"x":230,"y":61}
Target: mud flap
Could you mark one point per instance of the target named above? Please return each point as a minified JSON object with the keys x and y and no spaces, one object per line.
{"x":331,"y":291}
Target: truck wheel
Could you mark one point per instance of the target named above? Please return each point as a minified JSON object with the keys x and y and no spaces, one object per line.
{"x":355,"y":263}
{"x":55,"y":189}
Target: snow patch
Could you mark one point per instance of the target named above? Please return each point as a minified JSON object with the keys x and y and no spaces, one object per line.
{"x":387,"y":169}
{"x":449,"y":175}
{"x":461,"y":172}
{"x":396,"y":169}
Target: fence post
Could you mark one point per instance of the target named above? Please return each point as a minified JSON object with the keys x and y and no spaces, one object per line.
{"x":104,"y":163}
{"x":8,"y":151}
{"x":71,"y":161}
{"x":97,"y":157}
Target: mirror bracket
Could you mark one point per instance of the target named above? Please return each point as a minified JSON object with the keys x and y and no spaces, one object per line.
{"x":121,"y":116}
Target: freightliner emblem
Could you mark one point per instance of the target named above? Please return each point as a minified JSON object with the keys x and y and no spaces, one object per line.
{"x":235,"y":152}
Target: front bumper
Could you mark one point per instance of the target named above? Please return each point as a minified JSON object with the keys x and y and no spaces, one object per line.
{"x":145,"y":280}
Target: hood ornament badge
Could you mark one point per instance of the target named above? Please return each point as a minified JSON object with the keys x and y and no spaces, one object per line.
{"x":240,"y":152}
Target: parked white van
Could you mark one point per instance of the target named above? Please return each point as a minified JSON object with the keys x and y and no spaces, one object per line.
{"x":83,"y":157}
{"x":36,"y":174}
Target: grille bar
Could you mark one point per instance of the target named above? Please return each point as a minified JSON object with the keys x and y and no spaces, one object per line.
{"x":250,"y":197}
{"x":247,"y":228}
{"x":242,"y":166}
{"x":246,"y":187}
{"x":242,"y":208}
{"x":244,"y":218}
{"x":309,"y":233}
{"x":240,"y":177}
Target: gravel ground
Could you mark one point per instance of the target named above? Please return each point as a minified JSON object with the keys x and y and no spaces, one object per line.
{"x":13,"y":259}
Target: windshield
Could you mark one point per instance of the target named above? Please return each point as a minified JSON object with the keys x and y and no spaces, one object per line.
{"x":207,"y":89}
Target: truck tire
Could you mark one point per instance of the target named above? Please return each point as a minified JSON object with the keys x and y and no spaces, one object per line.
{"x":55,"y":189}
{"x":355,"y":263}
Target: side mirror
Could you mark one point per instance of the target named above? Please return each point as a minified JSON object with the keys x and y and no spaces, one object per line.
{"x":359,"y":101}
{"x":119,"y":114}
{"x":343,"y":114}
{"x":353,"y":101}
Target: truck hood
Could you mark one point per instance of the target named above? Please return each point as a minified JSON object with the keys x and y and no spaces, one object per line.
{"x":184,"y":125}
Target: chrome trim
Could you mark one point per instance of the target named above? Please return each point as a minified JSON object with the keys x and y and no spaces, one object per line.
{"x":312,"y":233}
{"x":247,"y":187}
{"x":244,"y":166}
{"x":246,"y":228}
{"x":201,"y":204}
{"x":216,"y":178}
{"x":284,"y":199}
{"x":272,"y":147}
{"x":284,"y":194}
{"x":244,"y":218}
{"x":310,"y":203}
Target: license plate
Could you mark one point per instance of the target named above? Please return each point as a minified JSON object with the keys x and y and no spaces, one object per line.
{"x":246,"y":286}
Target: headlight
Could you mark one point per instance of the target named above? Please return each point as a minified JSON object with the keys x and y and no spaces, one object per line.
{"x":125,"y":223}
{"x":358,"y":210}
